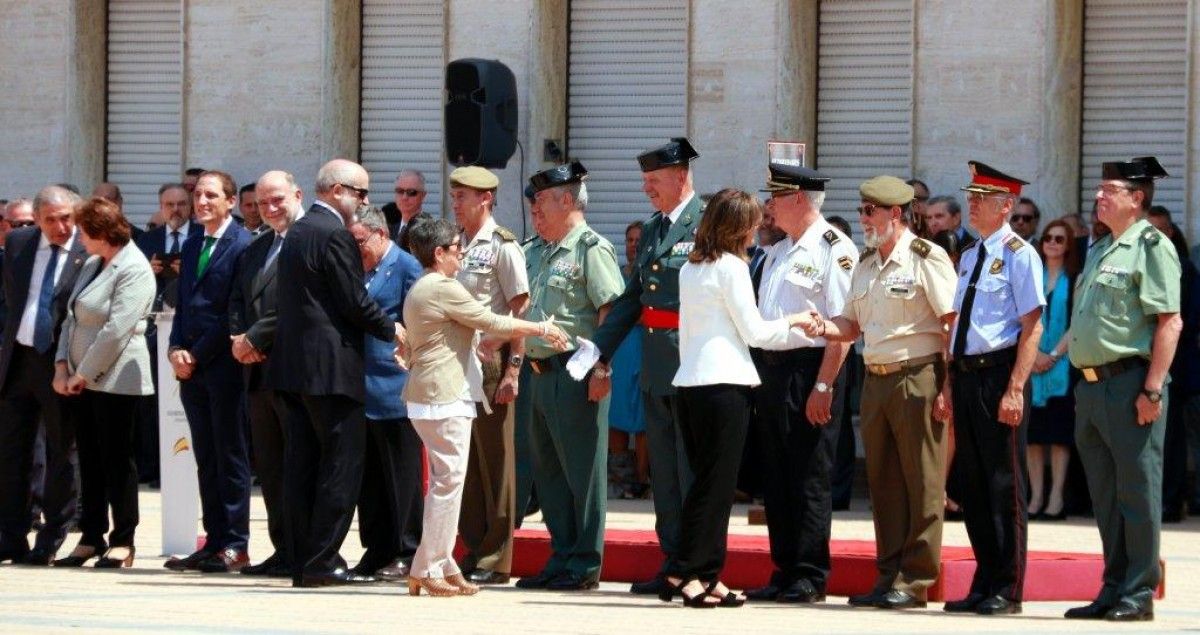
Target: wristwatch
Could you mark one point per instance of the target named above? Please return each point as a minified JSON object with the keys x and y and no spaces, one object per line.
{"x":602,"y":372}
{"x":822,"y":387}
{"x":515,"y":361}
{"x":1153,"y":396}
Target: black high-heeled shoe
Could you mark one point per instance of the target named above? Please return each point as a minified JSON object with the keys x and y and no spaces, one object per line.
{"x":108,"y":562}
{"x":729,"y":600}
{"x":671,"y":590}
{"x":78,"y":557}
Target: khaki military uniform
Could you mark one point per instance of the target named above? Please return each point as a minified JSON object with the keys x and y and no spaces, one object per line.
{"x":570,"y":280}
{"x":898,"y":304}
{"x":1127,"y":282}
{"x":493,"y":271}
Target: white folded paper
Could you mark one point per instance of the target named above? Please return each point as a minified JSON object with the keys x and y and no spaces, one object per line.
{"x":584,"y":358}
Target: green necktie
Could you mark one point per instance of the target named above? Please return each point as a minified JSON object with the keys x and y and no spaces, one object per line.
{"x":209,"y":241}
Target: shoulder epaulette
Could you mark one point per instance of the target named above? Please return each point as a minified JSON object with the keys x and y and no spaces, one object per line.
{"x":504,"y":234}
{"x":920,"y":247}
{"x":867,"y":253}
{"x":831,"y":237}
{"x":1151,"y":236}
{"x":590,"y":238}
{"x":1014,"y":244}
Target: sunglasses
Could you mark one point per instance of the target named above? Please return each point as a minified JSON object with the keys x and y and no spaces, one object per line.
{"x":404,"y":192}
{"x":1057,"y":239}
{"x":17,"y":224}
{"x":360,"y":191}
{"x":866,"y":209}
{"x":1023,"y":218}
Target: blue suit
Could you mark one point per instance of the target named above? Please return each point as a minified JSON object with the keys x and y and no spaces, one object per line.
{"x":389,"y":504}
{"x":212,"y":396}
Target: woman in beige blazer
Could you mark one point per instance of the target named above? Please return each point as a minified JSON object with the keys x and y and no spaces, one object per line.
{"x":444,"y":383}
{"x":103,"y":368}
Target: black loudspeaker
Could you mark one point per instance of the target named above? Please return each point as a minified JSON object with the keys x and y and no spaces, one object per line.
{"x":481,"y":113}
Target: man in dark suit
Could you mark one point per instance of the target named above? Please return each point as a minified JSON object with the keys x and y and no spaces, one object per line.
{"x":210,"y":380}
{"x":41,"y":264}
{"x":161,"y":247}
{"x":316,"y":369}
{"x":252,"y":316}
{"x":390,"y":505}
{"x":409,"y":191}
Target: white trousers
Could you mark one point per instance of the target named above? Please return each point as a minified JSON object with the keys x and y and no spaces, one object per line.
{"x":447,"y":443}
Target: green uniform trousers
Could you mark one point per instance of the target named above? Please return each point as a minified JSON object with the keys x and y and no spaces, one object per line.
{"x":906,"y":453}
{"x":1124,"y":463}
{"x":570,"y":461}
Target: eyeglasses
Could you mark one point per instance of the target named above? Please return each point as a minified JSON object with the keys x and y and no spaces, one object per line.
{"x":1112,"y":190}
{"x":17,"y":224}
{"x":364,"y":240}
{"x":457,"y":246}
{"x":1057,"y":239}
{"x":360,"y":191}
{"x":1023,"y":218}
{"x":866,"y":209}
{"x":403,"y":192}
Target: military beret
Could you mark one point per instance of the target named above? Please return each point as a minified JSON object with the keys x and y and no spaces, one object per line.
{"x":783,"y":177}
{"x":474,"y":177}
{"x":988,"y":180}
{"x":1136,"y":169}
{"x":678,"y":152}
{"x":886,"y":190}
{"x":564,"y":174}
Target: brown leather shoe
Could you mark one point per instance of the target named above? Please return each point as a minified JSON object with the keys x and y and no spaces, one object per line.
{"x":228,"y":560}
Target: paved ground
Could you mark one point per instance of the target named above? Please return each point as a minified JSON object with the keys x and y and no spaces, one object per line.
{"x":149,"y":598}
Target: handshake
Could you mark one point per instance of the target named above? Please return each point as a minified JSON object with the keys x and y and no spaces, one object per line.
{"x":810,"y":322}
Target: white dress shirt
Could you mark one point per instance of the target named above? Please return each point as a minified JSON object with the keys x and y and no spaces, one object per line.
{"x":811,"y":273}
{"x":184,"y":230}
{"x":40,"y":260}
{"x":717,"y":319}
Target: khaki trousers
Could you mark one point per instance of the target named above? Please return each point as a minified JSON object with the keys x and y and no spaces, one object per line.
{"x":447,"y":442}
{"x":906,"y":452}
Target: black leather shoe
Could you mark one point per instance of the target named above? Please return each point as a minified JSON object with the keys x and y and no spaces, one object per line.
{"x":188,"y":563}
{"x":337,"y":577}
{"x":393,"y":571}
{"x":15,"y":553}
{"x":262,"y":569}
{"x":1136,"y":607}
{"x":896,"y":599}
{"x":867,"y":599}
{"x":486,"y":576}
{"x":965,"y":605}
{"x":653,"y":586}
{"x":227,"y":561}
{"x":1094,"y":611}
{"x":768,"y":593}
{"x":568,"y":581}
{"x":538,"y":581}
{"x":801,"y":592}
{"x":997,"y":605}
{"x":38,"y":557}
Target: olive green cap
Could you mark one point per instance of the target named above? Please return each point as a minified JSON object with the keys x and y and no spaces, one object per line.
{"x":886,"y":190}
{"x":474,"y":177}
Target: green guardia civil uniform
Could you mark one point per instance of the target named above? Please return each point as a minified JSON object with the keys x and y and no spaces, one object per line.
{"x":523,"y":406}
{"x":570,"y":280}
{"x":1127,"y":282}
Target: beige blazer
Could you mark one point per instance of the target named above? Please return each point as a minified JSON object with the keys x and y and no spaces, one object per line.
{"x":441,"y":318}
{"x":103,"y":337}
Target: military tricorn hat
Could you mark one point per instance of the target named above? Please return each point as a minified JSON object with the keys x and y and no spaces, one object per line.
{"x":1135,"y":169}
{"x":678,"y":152}
{"x":572,"y":172}
{"x":988,"y":180}
{"x":783,"y":177}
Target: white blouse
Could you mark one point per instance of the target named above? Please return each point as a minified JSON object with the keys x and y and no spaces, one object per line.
{"x":718,"y":321}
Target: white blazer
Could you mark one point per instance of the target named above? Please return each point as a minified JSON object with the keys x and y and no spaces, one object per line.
{"x":718,"y":321}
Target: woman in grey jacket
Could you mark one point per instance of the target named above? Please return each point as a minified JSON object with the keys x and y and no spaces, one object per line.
{"x":103,"y":367}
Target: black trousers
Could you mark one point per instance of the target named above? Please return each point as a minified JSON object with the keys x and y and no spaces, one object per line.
{"x":990,"y":457}
{"x":797,"y":459}
{"x":1175,"y":454}
{"x":104,"y":423}
{"x":146,"y":429}
{"x":845,"y":456}
{"x":322,"y":474}
{"x":25,"y":399}
{"x":268,"y":442}
{"x":713,"y":422}
{"x":391,"y":502}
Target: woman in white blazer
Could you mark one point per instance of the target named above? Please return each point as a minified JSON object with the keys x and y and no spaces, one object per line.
{"x":103,"y":368}
{"x":718,"y":320}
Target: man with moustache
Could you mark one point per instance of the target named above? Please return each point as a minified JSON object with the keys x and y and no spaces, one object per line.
{"x":252,"y":316}
{"x":316,"y":368}
{"x":41,"y":264}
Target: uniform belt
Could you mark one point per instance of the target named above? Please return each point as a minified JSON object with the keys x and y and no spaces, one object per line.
{"x":659,"y":318}
{"x":550,"y":364}
{"x":1112,"y":369}
{"x":895,"y":367}
{"x":795,"y":355}
{"x":972,"y":363}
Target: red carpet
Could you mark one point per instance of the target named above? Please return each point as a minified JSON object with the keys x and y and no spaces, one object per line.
{"x":631,"y":556}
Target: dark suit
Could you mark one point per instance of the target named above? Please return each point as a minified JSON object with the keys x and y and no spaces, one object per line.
{"x":398,"y":229}
{"x":316,"y":369}
{"x":390,"y":504}
{"x":211,"y":397}
{"x":252,"y":311}
{"x":27,"y":398}
{"x":155,"y":243}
